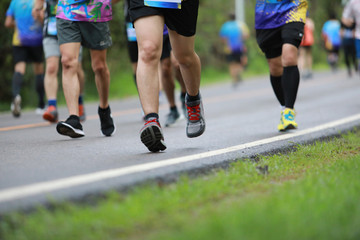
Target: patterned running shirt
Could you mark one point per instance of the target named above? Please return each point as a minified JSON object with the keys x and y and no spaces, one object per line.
{"x":276,"y":13}
{"x":85,"y":11}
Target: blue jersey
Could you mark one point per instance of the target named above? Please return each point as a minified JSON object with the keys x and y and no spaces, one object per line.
{"x":276,"y":13}
{"x":331,"y":30}
{"x":28,"y":32}
{"x":231,"y":32}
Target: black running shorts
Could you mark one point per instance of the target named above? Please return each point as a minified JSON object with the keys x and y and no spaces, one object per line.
{"x":92,"y":35}
{"x":133,"y":49}
{"x":234,"y":57}
{"x":183,"y":20}
{"x":28,"y":54}
{"x":271,"y":41}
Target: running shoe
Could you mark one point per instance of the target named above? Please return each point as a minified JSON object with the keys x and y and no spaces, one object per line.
{"x":40,"y":110}
{"x":82,"y":114}
{"x":281,"y":124}
{"x":151,"y":135}
{"x":195,"y":118}
{"x":106,"y":121}
{"x":237,"y":81}
{"x":51,"y":114}
{"x":172,"y":118}
{"x":71,"y":127}
{"x":287,"y":120}
{"x":16,"y":106}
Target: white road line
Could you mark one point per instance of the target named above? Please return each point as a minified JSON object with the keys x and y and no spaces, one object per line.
{"x":11,"y":194}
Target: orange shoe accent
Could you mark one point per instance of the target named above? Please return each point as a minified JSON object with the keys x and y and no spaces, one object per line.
{"x":82,"y":112}
{"x":51,"y":114}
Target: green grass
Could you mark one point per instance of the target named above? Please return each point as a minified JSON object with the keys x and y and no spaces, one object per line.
{"x":312,"y":192}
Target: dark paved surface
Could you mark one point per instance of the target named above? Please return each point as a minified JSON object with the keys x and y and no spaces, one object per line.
{"x":32,"y":152}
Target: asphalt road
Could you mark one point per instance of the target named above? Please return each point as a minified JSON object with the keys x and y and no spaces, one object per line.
{"x":37,"y":165}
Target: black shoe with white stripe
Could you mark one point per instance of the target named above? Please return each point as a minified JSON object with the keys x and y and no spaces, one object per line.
{"x":71,"y":127}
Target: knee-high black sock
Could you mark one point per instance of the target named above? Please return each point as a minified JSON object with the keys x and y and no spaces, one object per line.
{"x":40,"y":90}
{"x":192,"y":98}
{"x":278,"y":89}
{"x":17,"y":81}
{"x":290,"y":82}
{"x":151,"y":115}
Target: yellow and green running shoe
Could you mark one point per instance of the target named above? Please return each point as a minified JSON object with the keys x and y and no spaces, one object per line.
{"x":287,"y":120}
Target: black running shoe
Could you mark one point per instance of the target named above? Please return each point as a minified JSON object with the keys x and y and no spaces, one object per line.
{"x":151,"y":136}
{"x":106,"y":121}
{"x":71,"y":127}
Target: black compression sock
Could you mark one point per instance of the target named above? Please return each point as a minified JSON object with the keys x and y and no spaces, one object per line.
{"x":192,"y":98}
{"x":278,"y":89}
{"x":151,"y":115}
{"x":40,"y":89}
{"x":290,"y":83}
{"x":17,"y":81}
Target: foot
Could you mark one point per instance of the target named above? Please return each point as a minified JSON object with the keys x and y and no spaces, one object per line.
{"x":51,"y":114}
{"x":71,"y":127}
{"x":172,"y":118}
{"x":16,"y":106}
{"x":151,"y":135}
{"x":195,"y":118}
{"x":40,"y":110}
{"x":287,"y":120}
{"x":106,"y":121}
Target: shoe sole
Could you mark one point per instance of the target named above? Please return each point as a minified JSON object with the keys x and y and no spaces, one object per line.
{"x":152,"y":138}
{"x":67,"y":130}
{"x":288,"y":127}
{"x":49,"y":117}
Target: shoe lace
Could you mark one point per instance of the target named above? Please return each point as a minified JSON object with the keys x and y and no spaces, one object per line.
{"x":289,"y":116}
{"x":154,"y":120}
{"x":193,"y":112}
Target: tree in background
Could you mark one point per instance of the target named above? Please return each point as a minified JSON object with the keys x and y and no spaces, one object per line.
{"x":6,"y":64}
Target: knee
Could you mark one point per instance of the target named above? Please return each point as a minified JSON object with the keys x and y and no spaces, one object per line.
{"x":289,"y":60}
{"x":149,"y":51}
{"x":51,"y":69}
{"x":99,"y":67}
{"x":69,"y":62}
{"x":187,"y":59}
{"x":275,"y":68}
{"x":166,"y":67}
